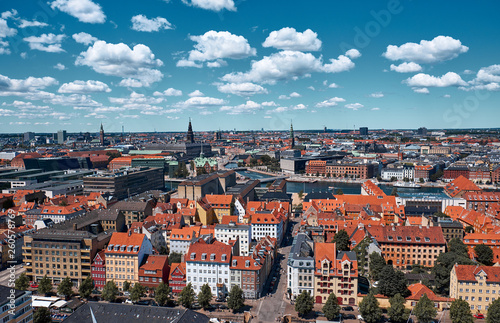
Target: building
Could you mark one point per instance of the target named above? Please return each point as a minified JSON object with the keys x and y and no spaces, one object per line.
{"x":134,"y":211}
{"x":363,"y":131}
{"x":451,"y":229}
{"x":177,"y":277}
{"x":300,"y":271}
{"x":477,"y":285}
{"x":154,"y":271}
{"x":208,"y":263}
{"x":422,"y":131}
{"x":124,"y":255}
{"x":404,"y":246}
{"x":215,"y":183}
{"x":190,"y":134}
{"x":98,"y":270}
{"x":335,"y":272}
{"x":28,"y":136}
{"x":61,"y":136}
{"x":126,"y":183}
{"x":460,"y":186}
{"x":221,"y":204}
{"x":17,"y":308}
{"x":316,"y":167}
{"x":101,"y":136}
{"x":232,"y":231}
{"x":455,"y":171}
{"x":268,"y":223}
{"x":351,"y":170}
{"x":182,"y":238}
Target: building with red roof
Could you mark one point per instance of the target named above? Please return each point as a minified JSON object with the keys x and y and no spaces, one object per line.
{"x":154,"y":270}
{"x":177,"y":277}
{"x":98,"y":270}
{"x":459,"y":186}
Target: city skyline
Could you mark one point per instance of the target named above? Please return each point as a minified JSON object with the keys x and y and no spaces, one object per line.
{"x":246,"y":65}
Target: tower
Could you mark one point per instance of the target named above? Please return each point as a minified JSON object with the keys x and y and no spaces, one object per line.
{"x":190,"y":135}
{"x":292,"y":137}
{"x":101,"y":136}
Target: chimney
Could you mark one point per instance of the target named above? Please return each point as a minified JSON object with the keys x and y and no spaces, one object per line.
{"x":129,"y":233}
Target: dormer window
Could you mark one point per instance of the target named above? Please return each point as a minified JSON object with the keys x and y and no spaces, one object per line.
{"x":247,"y":263}
{"x":129,"y":248}
{"x":110,"y":247}
{"x":212,"y":256}
{"x":408,"y":238}
{"x":203,"y":256}
{"x":389,"y":238}
{"x":117,"y":247}
{"x":427,"y":239}
{"x":400,"y":238}
{"x":224,"y":256}
{"x":136,"y":248}
{"x":417,"y":239}
{"x":235,"y":262}
{"x":193,"y":255}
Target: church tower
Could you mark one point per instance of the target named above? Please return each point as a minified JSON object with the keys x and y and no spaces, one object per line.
{"x":292,"y":137}
{"x":190,"y":134}
{"x":101,"y":136}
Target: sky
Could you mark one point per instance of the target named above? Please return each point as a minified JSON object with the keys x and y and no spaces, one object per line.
{"x":233,"y":64}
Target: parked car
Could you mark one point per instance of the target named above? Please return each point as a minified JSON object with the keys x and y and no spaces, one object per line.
{"x":34,"y":285}
{"x":349,"y":316}
{"x":128,"y":301}
{"x":348,"y":308}
{"x":143,"y":302}
{"x":360,"y":317}
{"x":479,"y":316}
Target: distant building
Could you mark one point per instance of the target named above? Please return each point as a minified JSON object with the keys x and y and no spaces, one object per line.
{"x":215,"y":183}
{"x":28,"y":136}
{"x":363,"y":131}
{"x":422,"y":131}
{"x":99,"y":270}
{"x":61,"y":136}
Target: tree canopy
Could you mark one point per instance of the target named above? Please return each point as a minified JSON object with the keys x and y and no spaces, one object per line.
{"x":205,"y":296}
{"x":304,"y":303}
{"x":186,"y":296}
{"x":22,"y":283}
{"x":137,"y":292}
{"x":331,"y":309}
{"x":484,"y":254}
{"x":377,"y":263}
{"x":42,"y":315}
{"x":110,"y":291}
{"x":444,"y":263}
{"x":162,"y":294}
{"x":342,"y":241}
{"x":460,"y":312}
{"x":86,"y":287}
{"x":425,"y":310}
{"x":370,"y":309}
{"x":235,"y":300}
{"x":45,"y":285}
{"x":397,"y":312}
{"x":393,"y":282}
{"x":493,"y":314}
{"x":65,"y":287}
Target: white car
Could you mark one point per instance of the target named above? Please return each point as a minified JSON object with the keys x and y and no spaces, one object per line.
{"x":128,"y":301}
{"x":360,"y":317}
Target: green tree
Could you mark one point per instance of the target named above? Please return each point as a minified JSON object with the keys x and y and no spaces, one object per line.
{"x":369,"y":309}
{"x":460,"y":312}
{"x":126,"y":286}
{"x":458,"y":247}
{"x":22,"y":283}
{"x":42,"y":315}
{"x":443,"y":266}
{"x":339,"y":192}
{"x":86,"y":287}
{"x":45,"y":285}
{"x":331,"y":309}
{"x":493,"y":314}
{"x":397,"y":312}
{"x":163,"y":251}
{"x":205,"y":296}
{"x":421,"y":180}
{"x":377,"y":263}
{"x":393,"y":282}
{"x":342,"y":242}
{"x":425,"y":310}
{"x":162,"y":294}
{"x":186,"y":296}
{"x":65,"y":288}
{"x":394,"y":192}
{"x":112,"y":155}
{"x":304,"y":303}
{"x":469,"y":229}
{"x":235,"y":300}
{"x":301,"y":194}
{"x":110,"y":291}
{"x":484,"y":254}
{"x":137,"y":292}
{"x":174,"y":257}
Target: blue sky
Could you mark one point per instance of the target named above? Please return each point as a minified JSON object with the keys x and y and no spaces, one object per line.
{"x":150,"y":65}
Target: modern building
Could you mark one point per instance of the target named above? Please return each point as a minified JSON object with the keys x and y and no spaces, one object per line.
{"x":28,"y":136}
{"x":300,"y":272}
{"x":15,"y":305}
{"x":61,"y":136}
{"x":363,"y":131}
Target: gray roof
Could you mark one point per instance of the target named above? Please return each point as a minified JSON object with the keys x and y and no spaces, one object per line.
{"x":5,"y":292}
{"x":301,"y":247}
{"x":350,"y":254}
{"x":131,"y":205}
{"x":123,"y":313}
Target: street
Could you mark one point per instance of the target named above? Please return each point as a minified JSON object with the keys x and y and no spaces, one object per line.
{"x":5,"y":274}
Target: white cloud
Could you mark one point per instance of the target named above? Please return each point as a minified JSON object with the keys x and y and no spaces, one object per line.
{"x":218,"y":63}
{"x":426,"y":80}
{"x":84,"y":38}
{"x":269,"y":104}
{"x":375,"y":109}
{"x":30,"y":84}
{"x":286,"y":65}
{"x":406,"y":67}
{"x":214,"y":46}
{"x":311,"y":88}
{"x":246,"y":108}
{"x":377,"y":95}
{"x":200,"y":102}
{"x":295,"y":95}
{"x":422,"y":90}
{"x":487,"y":78}
{"x":136,"y":101}
{"x":441,"y":48}
{"x":83,"y":10}
{"x":329,"y":103}
{"x":468,"y":72}
{"x":59,"y":66}
{"x":134,"y":65}
{"x":46,"y":42}
{"x":142,"y":23}
{"x":446,"y":96}
{"x":196,"y":93}
{"x":214,"y":5}
{"x":168,"y":92}
{"x":283,"y":97}
{"x":5,"y":30}
{"x":353,"y":53}
{"x":241,"y":89}
{"x":333,"y":86}
{"x":299,"y":106}
{"x":25,"y":23}
{"x":84,"y":87}
{"x":289,"y":39}
{"x":188,"y":63}
{"x":354,"y":106}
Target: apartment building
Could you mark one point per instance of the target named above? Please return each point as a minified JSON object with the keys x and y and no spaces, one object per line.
{"x":134,"y":211}
{"x":17,"y":309}
{"x":478,"y":285}
{"x":300,"y":271}
{"x":268,"y":223}
{"x":177,"y":277}
{"x":154,"y":271}
{"x":316,"y":167}
{"x":124,"y":255}
{"x":232,"y":231}
{"x":221,"y":204}
{"x":181,"y":239}
{"x":99,"y":270}
{"x":361,"y":171}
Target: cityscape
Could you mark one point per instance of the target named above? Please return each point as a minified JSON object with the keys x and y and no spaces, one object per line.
{"x":244,"y":161}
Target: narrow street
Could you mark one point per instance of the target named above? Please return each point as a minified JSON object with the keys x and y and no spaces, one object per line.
{"x":5,"y":274}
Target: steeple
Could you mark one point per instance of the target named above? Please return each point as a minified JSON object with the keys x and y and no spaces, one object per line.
{"x":292,"y":137}
{"x":190,"y":134}
{"x":101,"y":136}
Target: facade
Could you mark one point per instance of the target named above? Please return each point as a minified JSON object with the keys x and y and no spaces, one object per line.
{"x":124,"y":255}
{"x":221,"y":204}
{"x":477,"y":285}
{"x":300,"y":272}
{"x":17,"y":309}
{"x":99,"y":270}
{"x":181,"y":239}
{"x":361,"y":171}
{"x":215,"y":183}
{"x":451,"y":229}
{"x":316,"y":167}
{"x":232,"y":231}
{"x":154,"y":270}
{"x":134,"y":211}
{"x":177,"y":277}
{"x":267,"y":223}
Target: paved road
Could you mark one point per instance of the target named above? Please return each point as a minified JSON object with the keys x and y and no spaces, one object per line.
{"x":5,"y":274}
{"x":273,"y":304}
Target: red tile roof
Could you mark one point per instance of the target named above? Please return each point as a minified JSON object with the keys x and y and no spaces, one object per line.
{"x":201,"y":251}
{"x":469,"y":272}
{"x":459,"y":185}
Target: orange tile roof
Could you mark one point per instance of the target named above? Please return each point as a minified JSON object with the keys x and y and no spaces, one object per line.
{"x":460,"y":184}
{"x":241,"y":262}
{"x":408,"y":234}
{"x":469,"y":272}
{"x":186,"y":233}
{"x":418,"y":290}
{"x":124,"y":239}
{"x":155,"y":262}
{"x":219,"y":201}
{"x":180,"y":266}
{"x":200,"y":248}
{"x":323,"y":250}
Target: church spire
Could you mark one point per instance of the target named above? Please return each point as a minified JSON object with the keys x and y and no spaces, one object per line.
{"x":190,"y":134}
{"x":292,"y":137}
{"x":101,"y":136}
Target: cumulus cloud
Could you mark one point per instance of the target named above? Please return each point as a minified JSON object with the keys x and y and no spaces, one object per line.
{"x":136,"y":65}
{"x":353,"y":53}
{"x":83,"y":10}
{"x":441,"y":48}
{"x":299,"y":106}
{"x":295,"y":95}
{"x":214,"y":5}
{"x":487,"y":78}
{"x":333,"y":86}
{"x":410,"y":67}
{"x":200,"y":102}
{"x":84,"y":38}
{"x":246,"y":108}
{"x":142,"y":23}
{"x":5,"y":30}
{"x":59,"y":66}
{"x":269,"y":104}
{"x":286,"y":65}
{"x":354,"y":106}
{"x":46,"y":43}
{"x":30,"y":84}
{"x":26,"y":23}
{"x":377,"y":95}
{"x":329,"y":103}
{"x":138,"y":101}
{"x":214,"y":46}
{"x":196,"y":93}
{"x":289,"y":39}
{"x":168,"y":92}
{"x":426,"y":80}
{"x":422,"y":90}
{"x":84,"y":87}
{"x":241,"y":89}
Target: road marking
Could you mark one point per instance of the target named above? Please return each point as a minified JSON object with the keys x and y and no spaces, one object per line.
{"x":258,"y":311}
